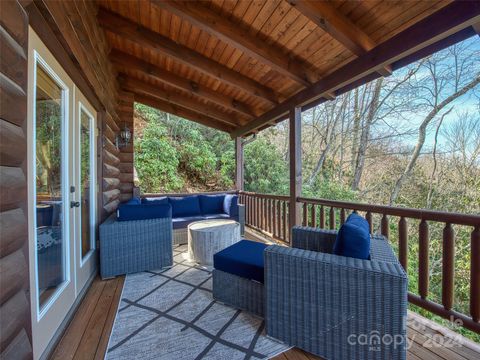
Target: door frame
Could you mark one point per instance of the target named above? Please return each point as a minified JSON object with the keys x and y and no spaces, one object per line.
{"x":46,"y":321}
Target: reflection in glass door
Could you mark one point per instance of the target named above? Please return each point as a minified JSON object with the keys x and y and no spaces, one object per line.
{"x":87,"y":182}
{"x":51,"y":246}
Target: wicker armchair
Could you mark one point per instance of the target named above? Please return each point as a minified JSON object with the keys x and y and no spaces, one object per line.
{"x":332,"y":306}
{"x":133,"y":246}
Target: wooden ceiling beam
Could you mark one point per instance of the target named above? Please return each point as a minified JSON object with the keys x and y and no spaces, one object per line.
{"x":446,"y":22}
{"x":152,"y":40}
{"x":126,"y":61}
{"x":182,"y":112}
{"x":138,"y":86}
{"x":342,"y":29}
{"x":222,"y":28}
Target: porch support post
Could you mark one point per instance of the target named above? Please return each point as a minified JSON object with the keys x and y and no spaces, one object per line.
{"x":295,"y":148}
{"x":239,"y":179}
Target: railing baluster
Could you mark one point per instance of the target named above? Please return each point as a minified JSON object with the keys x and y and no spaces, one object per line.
{"x":423,"y":262}
{"x":270,"y":215}
{"x":369,"y":219}
{"x":332,"y":218}
{"x":342,"y":216}
{"x":305,"y":214}
{"x":322,"y":217}
{"x":403,"y":242}
{"x":448,"y":266}
{"x":314,"y":216}
{"x":274,"y":218}
{"x":257,"y":211}
{"x":475,"y":274}
{"x":279,"y":219}
{"x":385,"y":226}
{"x":284,"y":214}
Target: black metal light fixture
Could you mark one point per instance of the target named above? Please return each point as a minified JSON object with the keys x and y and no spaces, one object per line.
{"x":123,"y":138}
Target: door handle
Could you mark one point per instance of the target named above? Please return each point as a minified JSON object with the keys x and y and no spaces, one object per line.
{"x":74,"y":204}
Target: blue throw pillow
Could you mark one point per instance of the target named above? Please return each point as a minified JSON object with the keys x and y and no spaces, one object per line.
{"x":185,"y":206}
{"x":155,"y":200}
{"x":128,"y":212}
{"x":211,"y":204}
{"x":230,"y":205}
{"x":134,"y":201}
{"x":353,"y":238}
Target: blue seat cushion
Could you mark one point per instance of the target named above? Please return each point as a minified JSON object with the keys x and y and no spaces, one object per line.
{"x":134,"y":201}
{"x":244,"y":259}
{"x":353,"y":238}
{"x":230,"y":205}
{"x":156,"y":200}
{"x":211,"y":204}
{"x":183,"y":222}
{"x":185,"y":206}
{"x":127,"y":212}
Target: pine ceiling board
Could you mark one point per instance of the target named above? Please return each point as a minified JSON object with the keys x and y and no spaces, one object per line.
{"x":252,"y":11}
{"x":276,"y":17}
{"x":282,"y":27}
{"x":423,"y":9}
{"x":156,"y":19}
{"x":264,"y":14}
{"x":232,"y":59}
{"x":210,"y":46}
{"x":239,"y":11}
{"x":145,"y":13}
{"x":297,"y":26}
{"x":227,"y":7}
{"x":299,"y":37}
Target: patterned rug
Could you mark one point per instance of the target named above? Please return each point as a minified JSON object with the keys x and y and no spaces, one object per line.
{"x":172,"y":315}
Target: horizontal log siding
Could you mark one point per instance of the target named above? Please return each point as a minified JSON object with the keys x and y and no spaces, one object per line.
{"x":15,"y":327}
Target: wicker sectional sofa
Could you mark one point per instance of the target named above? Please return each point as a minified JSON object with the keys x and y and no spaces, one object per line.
{"x":195,"y":207}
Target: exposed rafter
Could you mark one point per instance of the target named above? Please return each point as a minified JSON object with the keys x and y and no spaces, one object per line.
{"x":223,"y":29}
{"x":449,"y":20}
{"x":338,"y":26}
{"x":165,"y":46}
{"x":182,"y":112}
{"x":138,"y":86}
{"x":126,"y":61}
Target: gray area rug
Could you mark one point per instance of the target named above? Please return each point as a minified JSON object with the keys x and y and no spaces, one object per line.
{"x":172,"y":315}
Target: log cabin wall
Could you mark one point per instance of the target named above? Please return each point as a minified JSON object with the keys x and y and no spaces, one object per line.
{"x":75,"y":25}
{"x":15,"y":327}
{"x":126,"y":101}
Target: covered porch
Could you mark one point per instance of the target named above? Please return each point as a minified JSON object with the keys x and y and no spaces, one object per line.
{"x":236,"y":66}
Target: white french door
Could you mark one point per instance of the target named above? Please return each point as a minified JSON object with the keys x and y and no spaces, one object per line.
{"x":62,"y":192}
{"x":84,"y":205}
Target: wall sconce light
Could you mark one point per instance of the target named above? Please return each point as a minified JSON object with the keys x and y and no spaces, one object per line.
{"x":123,"y":138}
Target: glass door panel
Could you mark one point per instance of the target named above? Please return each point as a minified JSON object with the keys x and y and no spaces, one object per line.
{"x":50,"y":201}
{"x":86,"y":181}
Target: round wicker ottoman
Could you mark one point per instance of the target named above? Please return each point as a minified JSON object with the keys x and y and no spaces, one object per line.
{"x":208,"y":237}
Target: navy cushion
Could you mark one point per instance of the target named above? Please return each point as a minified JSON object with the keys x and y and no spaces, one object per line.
{"x":185,"y":206}
{"x":353,"y":238}
{"x":244,"y":259}
{"x":216,"y":216}
{"x":230,"y":205}
{"x":134,"y":201}
{"x":183,"y":222}
{"x":211,"y":204}
{"x":155,"y":200}
{"x":128,"y":212}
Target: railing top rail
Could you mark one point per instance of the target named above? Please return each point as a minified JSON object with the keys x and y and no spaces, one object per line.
{"x":266,"y":196}
{"x":187,"y":194}
{"x":439,"y":216}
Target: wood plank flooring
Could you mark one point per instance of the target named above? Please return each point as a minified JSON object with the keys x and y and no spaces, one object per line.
{"x":87,"y":335}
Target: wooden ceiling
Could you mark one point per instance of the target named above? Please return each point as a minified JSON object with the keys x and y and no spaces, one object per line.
{"x":229,"y":64}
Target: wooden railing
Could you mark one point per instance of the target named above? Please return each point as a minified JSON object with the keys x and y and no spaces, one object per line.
{"x":269,"y":215}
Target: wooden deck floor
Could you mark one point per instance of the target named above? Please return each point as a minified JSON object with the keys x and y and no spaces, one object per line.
{"x":87,"y":335}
